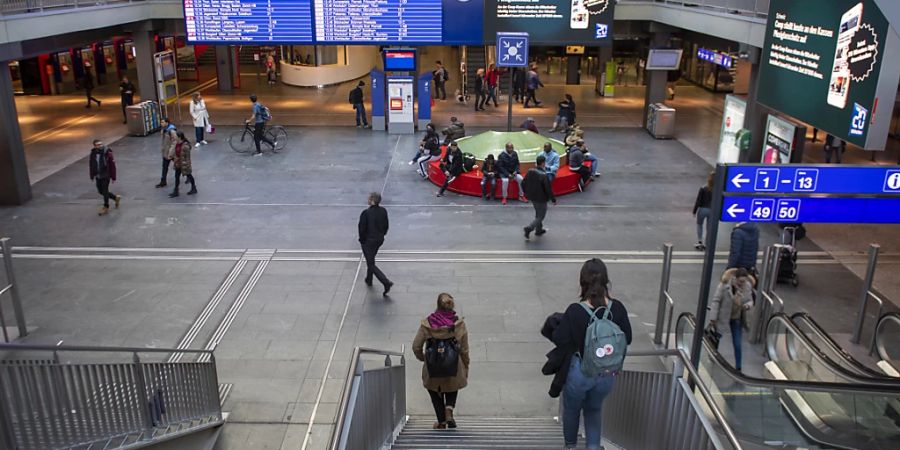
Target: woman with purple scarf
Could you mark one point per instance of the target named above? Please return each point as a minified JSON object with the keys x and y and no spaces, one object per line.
{"x":440,"y":328}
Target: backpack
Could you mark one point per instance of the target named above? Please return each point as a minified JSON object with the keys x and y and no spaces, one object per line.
{"x":468,"y":162}
{"x":264,"y":113}
{"x":605,"y":344}
{"x":442,"y":357}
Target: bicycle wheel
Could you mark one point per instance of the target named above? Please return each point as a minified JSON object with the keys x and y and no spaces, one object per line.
{"x":241,"y":141}
{"x":277,"y":135}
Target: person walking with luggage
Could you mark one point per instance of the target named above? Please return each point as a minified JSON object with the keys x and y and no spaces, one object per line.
{"x":537,"y":188}
{"x":439,"y":76}
{"x":442,"y":343}
{"x":733,"y":298}
{"x":126,"y":91}
{"x":167,"y":148}
{"x":373,"y":226}
{"x":102,"y":169}
{"x":744,"y":247}
{"x":87,"y":82}
{"x":702,"y":209}
{"x":200,"y":116}
{"x":356,"y":99}
{"x":591,"y":338}
{"x":182,"y":163}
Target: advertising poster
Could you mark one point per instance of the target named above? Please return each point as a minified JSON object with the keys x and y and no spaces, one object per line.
{"x":779,"y":142}
{"x":732,"y":122}
{"x":561,"y":22}
{"x":821,"y":61}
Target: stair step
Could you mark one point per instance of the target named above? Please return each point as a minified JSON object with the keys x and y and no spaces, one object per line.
{"x":481,"y":433}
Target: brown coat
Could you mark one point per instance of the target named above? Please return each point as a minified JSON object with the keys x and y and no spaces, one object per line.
{"x":444,"y":384}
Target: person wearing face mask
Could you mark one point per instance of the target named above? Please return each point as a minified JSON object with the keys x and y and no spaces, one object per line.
{"x":733,"y":297}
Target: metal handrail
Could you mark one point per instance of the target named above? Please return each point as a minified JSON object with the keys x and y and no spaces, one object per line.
{"x":344,"y":403}
{"x":833,"y":346}
{"x":741,"y":378}
{"x":697,"y":382}
{"x":664,"y":297}
{"x":87,"y":348}
{"x":879,"y":342}
{"x":782,"y":320}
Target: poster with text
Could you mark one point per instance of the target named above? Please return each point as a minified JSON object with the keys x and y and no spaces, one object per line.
{"x":560,"y":22}
{"x":732,"y":122}
{"x":779,"y":142}
{"x":821,"y":61}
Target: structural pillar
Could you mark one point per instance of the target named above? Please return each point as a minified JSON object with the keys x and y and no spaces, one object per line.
{"x":656,"y":79}
{"x":144,"y":48}
{"x":573,"y":69}
{"x":755,"y":116}
{"x":15,"y":188}
{"x":225,"y":68}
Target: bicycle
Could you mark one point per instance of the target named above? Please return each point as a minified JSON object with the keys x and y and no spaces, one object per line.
{"x":242,"y":141}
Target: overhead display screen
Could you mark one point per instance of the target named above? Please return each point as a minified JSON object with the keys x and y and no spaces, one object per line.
{"x":248,"y":21}
{"x":380,"y":22}
{"x":821,"y":63}
{"x":562,"y":22}
{"x":356,"y":21}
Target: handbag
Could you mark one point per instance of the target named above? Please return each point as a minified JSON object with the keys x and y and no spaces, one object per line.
{"x":210,"y":128}
{"x":713,"y":335}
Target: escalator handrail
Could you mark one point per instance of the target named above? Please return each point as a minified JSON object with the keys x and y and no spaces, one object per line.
{"x":740,"y":377}
{"x":837,"y":349}
{"x":879,"y":341}
{"x":783,"y":319}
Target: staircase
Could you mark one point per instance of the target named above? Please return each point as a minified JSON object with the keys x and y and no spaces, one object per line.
{"x":482,"y":433}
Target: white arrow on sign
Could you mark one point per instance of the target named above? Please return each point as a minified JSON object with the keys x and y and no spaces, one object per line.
{"x":733,"y":210}
{"x":739,"y":180}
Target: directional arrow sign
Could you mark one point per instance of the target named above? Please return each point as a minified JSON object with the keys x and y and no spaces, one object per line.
{"x":734,"y":210}
{"x":512,"y":49}
{"x":812,"y":209}
{"x":739,"y":180}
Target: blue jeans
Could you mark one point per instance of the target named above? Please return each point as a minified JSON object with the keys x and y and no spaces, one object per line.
{"x":737,"y":328}
{"x":360,"y":114}
{"x":594,"y":163}
{"x":586,"y":394}
{"x":702,"y":217}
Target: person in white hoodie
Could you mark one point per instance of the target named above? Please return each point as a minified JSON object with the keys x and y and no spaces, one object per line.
{"x":201,"y":118}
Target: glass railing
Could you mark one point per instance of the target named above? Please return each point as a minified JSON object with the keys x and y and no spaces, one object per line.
{"x":887,"y":343}
{"x":754,"y":8}
{"x":781,"y":412}
{"x":831,"y":349}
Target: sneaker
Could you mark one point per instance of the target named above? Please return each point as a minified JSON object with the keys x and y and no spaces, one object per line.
{"x":597,"y":175}
{"x":451,"y":422}
{"x":257,"y":154}
{"x":173,"y":194}
{"x":410,"y":163}
{"x":367,"y":126}
{"x":196,"y":145}
{"x":99,"y":103}
{"x":103,"y":211}
{"x":192,"y":192}
{"x":440,"y":194}
{"x":503,"y":201}
{"x":161,"y":184}
{"x":359,"y":126}
{"x":540,"y":232}
{"x":204,"y":142}
{"x":439,"y":426}
{"x":527,"y":233}
{"x":387,"y":288}
{"x":581,"y":186}
{"x":118,"y":200}
{"x":523,"y":199}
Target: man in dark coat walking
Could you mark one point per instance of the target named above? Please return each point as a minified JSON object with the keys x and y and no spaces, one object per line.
{"x":102,"y":171}
{"x":537,"y":188}
{"x":373,"y":225}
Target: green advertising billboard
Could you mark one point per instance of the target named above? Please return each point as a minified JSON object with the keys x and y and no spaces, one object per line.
{"x":821,"y":62}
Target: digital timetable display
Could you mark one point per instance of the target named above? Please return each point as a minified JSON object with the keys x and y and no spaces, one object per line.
{"x":309,"y":21}
{"x":248,"y":21}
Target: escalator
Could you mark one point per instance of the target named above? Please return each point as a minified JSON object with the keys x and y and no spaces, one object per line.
{"x":887,"y":337}
{"x":832,"y":350}
{"x":786,"y":413}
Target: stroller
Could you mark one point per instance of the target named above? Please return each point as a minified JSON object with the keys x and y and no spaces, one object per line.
{"x":787,"y":253}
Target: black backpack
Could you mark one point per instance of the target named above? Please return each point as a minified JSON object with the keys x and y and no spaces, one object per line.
{"x":468,"y":162}
{"x":442,"y":357}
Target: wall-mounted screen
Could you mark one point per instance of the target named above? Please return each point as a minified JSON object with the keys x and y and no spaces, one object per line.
{"x":561,"y":22}
{"x":400,"y":60}
{"x":821,"y":64}
{"x":664,"y":59}
{"x":384,"y":22}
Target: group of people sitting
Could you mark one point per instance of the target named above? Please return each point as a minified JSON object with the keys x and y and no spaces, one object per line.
{"x":503,"y":167}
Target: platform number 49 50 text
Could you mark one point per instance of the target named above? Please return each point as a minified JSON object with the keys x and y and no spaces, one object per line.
{"x":788,"y":210}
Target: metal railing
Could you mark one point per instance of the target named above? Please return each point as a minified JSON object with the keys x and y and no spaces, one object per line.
{"x":665,"y":309}
{"x":754,"y":8}
{"x":667,"y":403}
{"x":880,"y":343}
{"x":768,"y":302}
{"x":11,"y":290}
{"x":13,"y":7}
{"x":45,"y":403}
{"x":867,"y":293}
{"x":373,"y":404}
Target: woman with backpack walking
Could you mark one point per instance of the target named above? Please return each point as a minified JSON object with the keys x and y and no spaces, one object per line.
{"x":592,"y":335}
{"x":442,"y":343}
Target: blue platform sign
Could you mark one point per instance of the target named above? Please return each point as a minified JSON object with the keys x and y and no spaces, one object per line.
{"x":812,"y":209}
{"x":821,"y":179}
{"x":512,"y":49}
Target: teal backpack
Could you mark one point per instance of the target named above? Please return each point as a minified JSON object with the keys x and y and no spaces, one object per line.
{"x":605,"y":344}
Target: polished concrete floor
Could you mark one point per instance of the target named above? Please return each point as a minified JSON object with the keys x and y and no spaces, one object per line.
{"x":284,"y":224}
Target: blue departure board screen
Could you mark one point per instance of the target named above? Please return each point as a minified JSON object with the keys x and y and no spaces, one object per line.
{"x":395,"y":21}
{"x":248,"y":21}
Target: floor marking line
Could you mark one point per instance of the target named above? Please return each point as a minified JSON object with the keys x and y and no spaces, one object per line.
{"x":128,"y":257}
{"x":39,"y":136}
{"x":233,"y":311}
{"x":337,"y":338}
{"x":357,"y":205}
{"x":204,"y":316}
{"x":127,"y":249}
{"x":390,"y":165}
